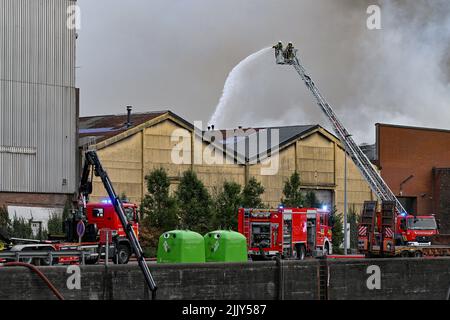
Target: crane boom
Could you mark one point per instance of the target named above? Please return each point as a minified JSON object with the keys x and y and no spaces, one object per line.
{"x":375,"y":181}
{"x":92,"y":161}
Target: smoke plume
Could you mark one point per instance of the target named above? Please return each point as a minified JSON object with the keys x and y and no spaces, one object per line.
{"x":177,"y":54}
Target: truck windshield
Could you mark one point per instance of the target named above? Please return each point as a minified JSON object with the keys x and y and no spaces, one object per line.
{"x":129,"y":212}
{"x":422,"y":224}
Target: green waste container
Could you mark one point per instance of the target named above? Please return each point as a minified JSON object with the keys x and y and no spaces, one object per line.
{"x":225,"y":246}
{"x":181,"y":246}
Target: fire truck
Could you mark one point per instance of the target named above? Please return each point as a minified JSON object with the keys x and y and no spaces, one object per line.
{"x":395,"y":228}
{"x":415,"y":230}
{"x":97,"y":218}
{"x":291,"y":233}
{"x":118,"y":219}
{"x":387,"y":233}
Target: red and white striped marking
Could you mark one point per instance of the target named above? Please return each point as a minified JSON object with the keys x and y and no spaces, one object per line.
{"x":388,"y":232}
{"x":362,"y":231}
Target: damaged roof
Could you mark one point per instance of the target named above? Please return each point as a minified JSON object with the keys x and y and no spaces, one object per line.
{"x":102,"y":127}
{"x":242,"y":144}
{"x":265,"y":138}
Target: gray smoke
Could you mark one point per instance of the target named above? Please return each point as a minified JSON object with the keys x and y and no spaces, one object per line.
{"x":177,"y":54}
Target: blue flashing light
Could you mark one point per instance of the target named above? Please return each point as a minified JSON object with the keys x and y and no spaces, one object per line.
{"x":325,"y":207}
{"x":280,"y":206}
{"x":403,"y":214}
{"x":107,"y":201}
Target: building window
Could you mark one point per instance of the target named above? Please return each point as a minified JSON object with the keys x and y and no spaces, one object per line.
{"x":409,"y":203}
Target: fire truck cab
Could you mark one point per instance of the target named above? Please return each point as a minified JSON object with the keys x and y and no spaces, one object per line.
{"x":289,"y":233}
{"x":415,"y":229}
{"x":103,"y":215}
{"x":98,"y":217}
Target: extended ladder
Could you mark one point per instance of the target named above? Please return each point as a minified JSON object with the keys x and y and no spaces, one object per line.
{"x":375,"y":181}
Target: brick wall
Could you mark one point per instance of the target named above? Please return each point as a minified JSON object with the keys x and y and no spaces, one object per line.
{"x":405,"y":151}
{"x":34,"y":199}
{"x":441,"y":198}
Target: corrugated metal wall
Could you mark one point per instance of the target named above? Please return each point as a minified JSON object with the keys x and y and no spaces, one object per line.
{"x":37,"y":97}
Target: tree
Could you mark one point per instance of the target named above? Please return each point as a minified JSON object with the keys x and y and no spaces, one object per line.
{"x":251,"y":194}
{"x":292,"y":192}
{"x":5,"y":222}
{"x":226,"y":205}
{"x":67,"y":210}
{"x":4,"y":218}
{"x":194,"y":202}
{"x":352,"y":218}
{"x":338,"y":235}
{"x":21,"y":228}
{"x":158,"y":210}
{"x":55,"y":224}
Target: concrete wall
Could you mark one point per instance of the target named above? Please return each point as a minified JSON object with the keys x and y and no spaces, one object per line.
{"x":298,"y":280}
{"x":400,"y":279}
{"x":182,"y":281}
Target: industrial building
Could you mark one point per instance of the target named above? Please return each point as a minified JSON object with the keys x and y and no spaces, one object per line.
{"x":131,"y":145}
{"x":38,"y":107}
{"x":415,"y":162}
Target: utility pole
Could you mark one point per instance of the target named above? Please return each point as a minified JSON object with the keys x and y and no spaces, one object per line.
{"x":345,"y":197}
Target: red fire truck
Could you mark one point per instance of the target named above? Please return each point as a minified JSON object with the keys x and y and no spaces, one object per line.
{"x":101,"y":216}
{"x":387,"y":233}
{"x":97,"y":218}
{"x":289,"y":233}
{"x":415,"y":229}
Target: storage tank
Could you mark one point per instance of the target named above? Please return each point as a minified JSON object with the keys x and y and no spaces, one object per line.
{"x":225,"y":246}
{"x":181,"y":246}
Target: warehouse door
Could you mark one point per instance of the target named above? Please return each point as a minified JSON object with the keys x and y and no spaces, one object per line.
{"x":324,"y":197}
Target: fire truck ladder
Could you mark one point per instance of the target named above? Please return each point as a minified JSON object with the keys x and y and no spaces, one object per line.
{"x":368,"y":221}
{"x":376,"y":182}
{"x":246,"y":223}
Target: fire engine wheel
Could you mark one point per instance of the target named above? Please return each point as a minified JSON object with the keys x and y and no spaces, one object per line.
{"x":301,"y":252}
{"x":418,"y":254}
{"x":46,"y":261}
{"x":91,"y":260}
{"x":26,"y":260}
{"x":326,"y":249}
{"x":404,"y":254}
{"x":123,"y":254}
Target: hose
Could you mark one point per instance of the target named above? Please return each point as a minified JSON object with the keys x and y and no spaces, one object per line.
{"x":39,"y":273}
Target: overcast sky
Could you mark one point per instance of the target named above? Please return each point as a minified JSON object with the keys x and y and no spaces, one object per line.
{"x":176,"y":54}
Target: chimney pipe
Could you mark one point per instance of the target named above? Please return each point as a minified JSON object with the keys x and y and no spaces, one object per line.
{"x":212,"y":127}
{"x":129,"y":116}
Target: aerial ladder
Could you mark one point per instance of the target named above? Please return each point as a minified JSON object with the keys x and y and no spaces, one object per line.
{"x":85,"y":189}
{"x":288,"y":56}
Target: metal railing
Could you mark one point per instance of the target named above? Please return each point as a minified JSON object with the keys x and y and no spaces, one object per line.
{"x":50,"y":255}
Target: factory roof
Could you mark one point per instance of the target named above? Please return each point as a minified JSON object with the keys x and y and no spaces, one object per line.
{"x":99,"y":128}
{"x":247,"y":144}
